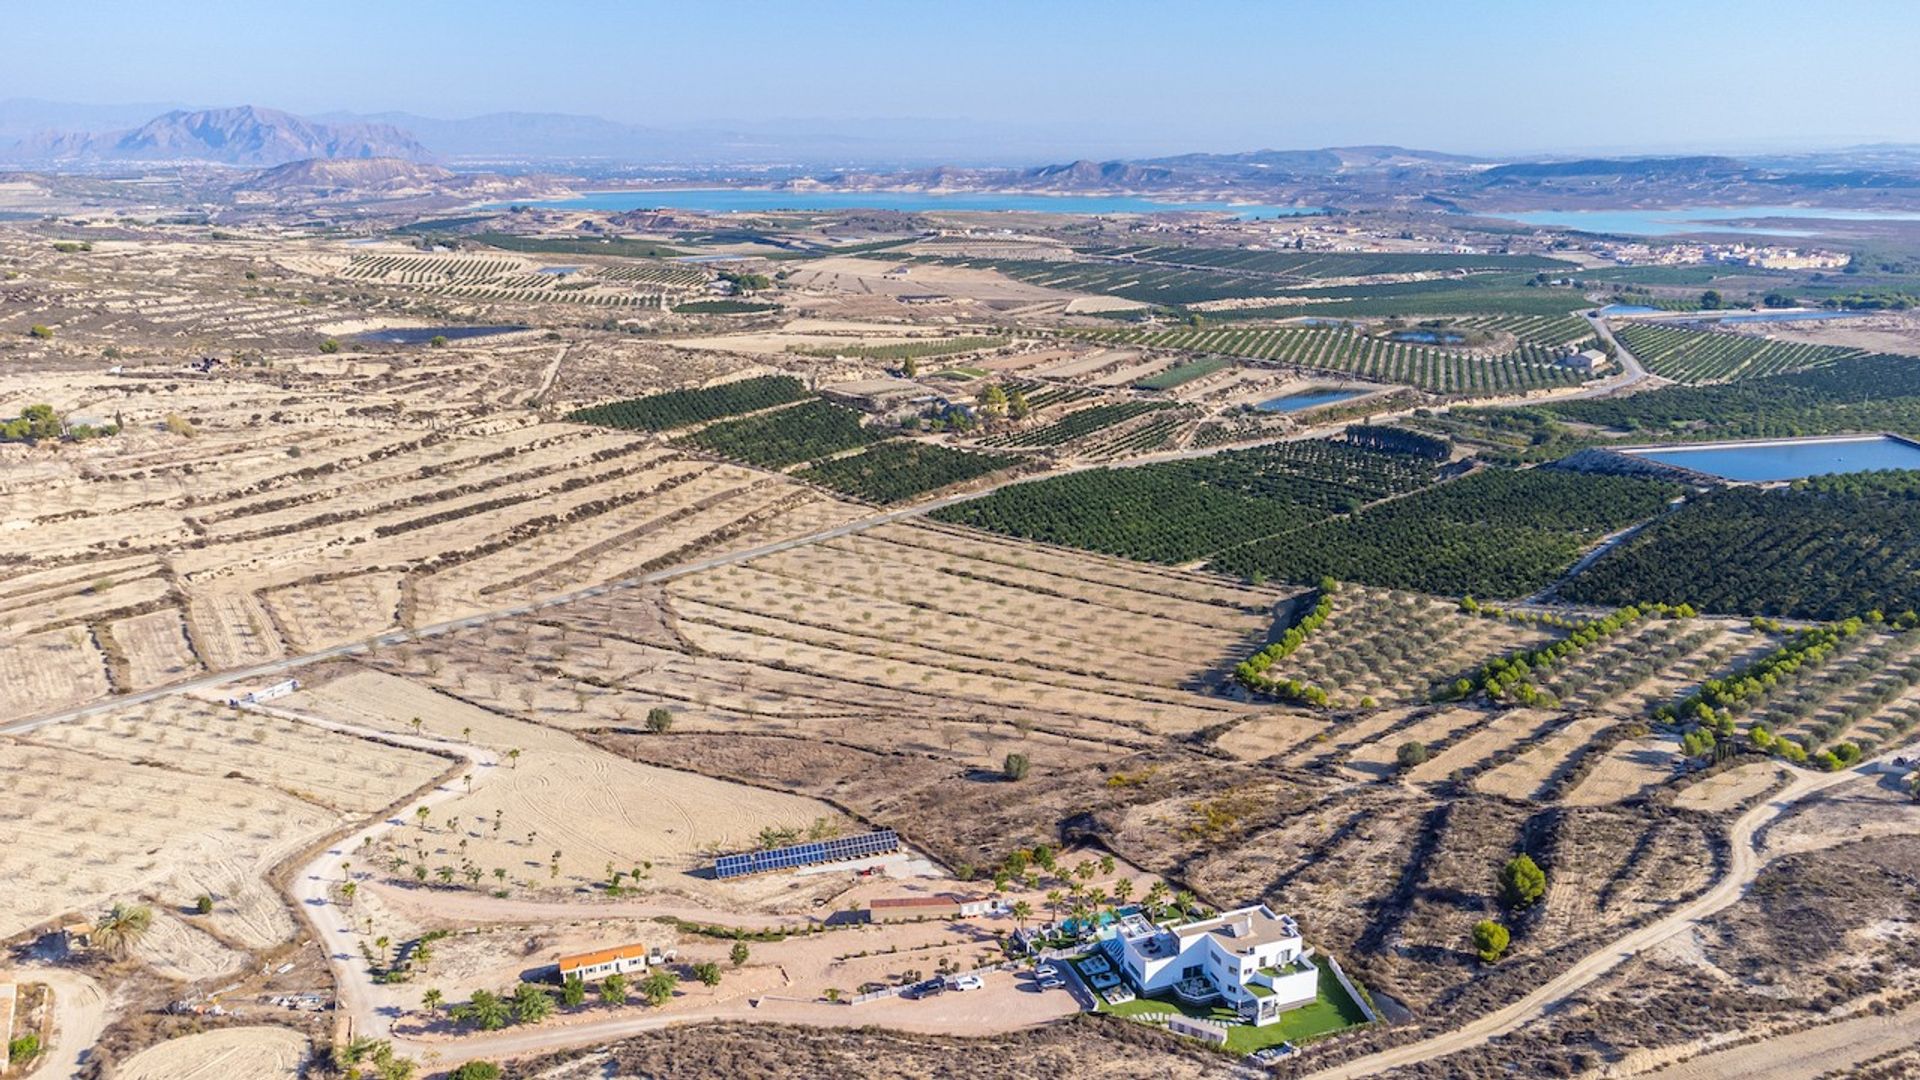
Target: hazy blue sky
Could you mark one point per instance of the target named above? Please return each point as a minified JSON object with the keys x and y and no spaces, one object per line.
{"x":1111,"y":77}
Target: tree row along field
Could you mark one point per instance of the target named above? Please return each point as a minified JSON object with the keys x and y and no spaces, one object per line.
{"x":1180,"y":511}
{"x":1823,"y":549}
{"x":1321,"y":264}
{"x":1700,"y":356}
{"x":1341,"y":350}
{"x":904,"y":350}
{"x":1175,"y":286}
{"x":1494,"y":533}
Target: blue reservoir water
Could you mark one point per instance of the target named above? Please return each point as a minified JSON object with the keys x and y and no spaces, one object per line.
{"x":1628,"y":309}
{"x":556,"y":270}
{"x":722,"y":200}
{"x":420,"y":335}
{"x":1758,"y":462}
{"x":1311,"y":398}
{"x":1428,"y":337}
{"x":1697,"y":219}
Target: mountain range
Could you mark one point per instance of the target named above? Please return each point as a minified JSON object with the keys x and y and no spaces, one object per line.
{"x":242,"y":135}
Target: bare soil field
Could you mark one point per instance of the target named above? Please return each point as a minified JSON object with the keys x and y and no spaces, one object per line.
{"x":559,"y":810}
{"x":76,"y":840}
{"x":236,"y":1053}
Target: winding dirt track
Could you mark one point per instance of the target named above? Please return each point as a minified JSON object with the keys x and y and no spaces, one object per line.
{"x":1743,"y":866}
{"x":79,"y":1016}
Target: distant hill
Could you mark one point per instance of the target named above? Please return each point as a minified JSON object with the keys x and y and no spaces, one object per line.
{"x":1658,"y":168}
{"x":347,"y":174}
{"x":242,"y":135}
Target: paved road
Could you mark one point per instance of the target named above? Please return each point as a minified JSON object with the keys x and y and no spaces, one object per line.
{"x":1744,"y":865}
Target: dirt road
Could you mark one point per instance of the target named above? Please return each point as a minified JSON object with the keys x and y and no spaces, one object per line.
{"x":79,"y":1016}
{"x":1744,"y":865}
{"x":1805,"y":1055}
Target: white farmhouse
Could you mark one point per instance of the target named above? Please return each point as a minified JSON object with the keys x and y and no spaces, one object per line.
{"x":1249,"y":958}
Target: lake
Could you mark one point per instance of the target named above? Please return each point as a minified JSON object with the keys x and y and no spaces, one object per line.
{"x":1311,"y":398}
{"x":1697,"y":219}
{"x":1428,"y":337}
{"x":1788,"y":459}
{"x":420,"y":335}
{"x":730,"y":200}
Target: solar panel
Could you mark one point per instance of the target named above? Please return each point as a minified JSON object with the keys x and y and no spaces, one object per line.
{"x":808,"y":854}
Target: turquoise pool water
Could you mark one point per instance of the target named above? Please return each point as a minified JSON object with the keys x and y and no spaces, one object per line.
{"x":1310,"y":398}
{"x":1759,"y":462}
{"x":757,"y":199}
{"x":1697,"y":219}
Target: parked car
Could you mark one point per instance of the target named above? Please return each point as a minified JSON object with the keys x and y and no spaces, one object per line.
{"x":966,"y":982}
{"x":927,"y":989}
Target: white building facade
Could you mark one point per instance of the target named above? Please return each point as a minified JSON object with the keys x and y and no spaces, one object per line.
{"x":1250,"y":958}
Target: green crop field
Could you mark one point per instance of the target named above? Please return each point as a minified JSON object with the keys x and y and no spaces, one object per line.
{"x":1077,"y":425}
{"x":1183,"y":373}
{"x":1496,"y":533}
{"x":680,"y":408}
{"x":1180,"y":511}
{"x":1337,"y":349}
{"x":1688,"y":355}
{"x":784,"y":437}
{"x":1823,"y":549}
{"x":891,"y":472}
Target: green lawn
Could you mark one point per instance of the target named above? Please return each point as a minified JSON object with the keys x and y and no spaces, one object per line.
{"x":1328,"y":1013}
{"x":961,"y":373}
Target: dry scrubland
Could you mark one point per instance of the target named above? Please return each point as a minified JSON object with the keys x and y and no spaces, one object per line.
{"x":299,"y":500}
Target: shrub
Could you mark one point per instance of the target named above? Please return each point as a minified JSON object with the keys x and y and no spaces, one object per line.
{"x":1014,"y":767}
{"x":204,"y":905}
{"x":1411,"y":754}
{"x":24,"y":1049}
{"x":41,"y":332}
{"x":1522,"y":882}
{"x":659,"y":719}
{"x":329,"y":346}
{"x":476,"y":1070}
{"x":1490,"y":940}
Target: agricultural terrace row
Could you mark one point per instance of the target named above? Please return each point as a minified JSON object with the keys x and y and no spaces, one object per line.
{"x":1701,"y":356}
{"x":1077,"y":425}
{"x":1180,"y":511}
{"x":900,"y":469}
{"x":1346,"y":351}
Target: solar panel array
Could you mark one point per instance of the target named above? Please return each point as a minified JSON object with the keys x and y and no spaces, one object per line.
{"x":819,"y":851}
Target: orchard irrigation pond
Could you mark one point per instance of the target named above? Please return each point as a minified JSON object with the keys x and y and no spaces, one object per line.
{"x":1772,"y":460}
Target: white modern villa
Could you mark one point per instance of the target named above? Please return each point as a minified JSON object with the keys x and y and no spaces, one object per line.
{"x":1248,"y":958}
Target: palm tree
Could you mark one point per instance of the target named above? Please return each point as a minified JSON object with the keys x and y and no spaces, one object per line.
{"x":1123,"y":889}
{"x":432,"y":999}
{"x":531,"y":1004}
{"x":416,"y":722}
{"x":513,"y":755}
{"x":347,"y":891}
{"x":1022,"y":911}
{"x":122,"y":928}
{"x":1054,"y":901}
